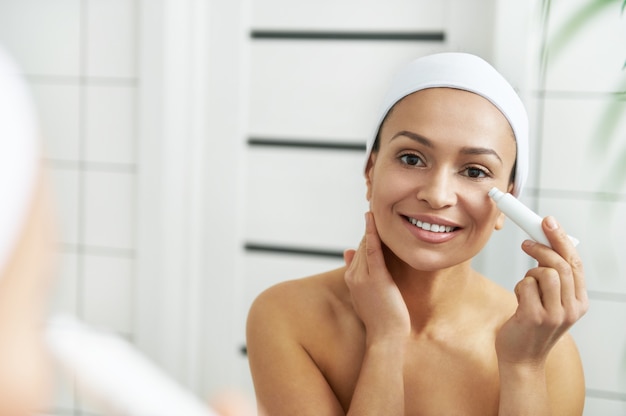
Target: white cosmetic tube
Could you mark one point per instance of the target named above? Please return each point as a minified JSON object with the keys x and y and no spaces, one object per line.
{"x":523,"y":216}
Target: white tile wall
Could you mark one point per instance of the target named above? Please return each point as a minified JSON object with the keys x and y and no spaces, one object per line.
{"x":110,"y":121}
{"x":65,"y":298}
{"x":593,"y":59}
{"x":109,"y":209}
{"x":59,"y":116}
{"x":602,"y":346}
{"x":66,"y":182}
{"x":111,"y":33}
{"x":581,"y":156}
{"x":582,"y":181}
{"x":597,"y":406}
{"x":304,"y":198}
{"x":108,"y":292}
{"x":44,"y":36}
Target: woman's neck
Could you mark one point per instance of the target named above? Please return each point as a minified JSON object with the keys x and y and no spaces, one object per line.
{"x":435,"y":298}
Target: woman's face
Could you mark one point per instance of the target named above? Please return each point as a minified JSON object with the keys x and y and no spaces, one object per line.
{"x":441,"y":150}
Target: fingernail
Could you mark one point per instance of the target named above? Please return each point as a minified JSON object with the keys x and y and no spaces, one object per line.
{"x":528,"y":243}
{"x":551,"y":223}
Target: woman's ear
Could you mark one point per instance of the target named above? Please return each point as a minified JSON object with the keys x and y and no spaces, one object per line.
{"x":500,"y":221}
{"x":369,"y":174}
{"x":510,"y":187}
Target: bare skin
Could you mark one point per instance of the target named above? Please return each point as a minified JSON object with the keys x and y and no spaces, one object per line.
{"x":407,"y":327}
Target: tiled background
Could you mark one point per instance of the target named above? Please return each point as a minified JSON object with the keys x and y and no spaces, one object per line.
{"x":581,"y":134}
{"x":199,"y":150}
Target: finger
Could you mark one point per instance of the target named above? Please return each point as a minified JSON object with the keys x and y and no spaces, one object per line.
{"x":348,"y":256}
{"x":373,"y":251}
{"x":549,"y":284}
{"x":562,"y":244}
{"x":570,"y":271}
{"x":570,"y":268}
{"x":557,"y":237}
{"x":356,"y":268}
{"x":528,"y":296}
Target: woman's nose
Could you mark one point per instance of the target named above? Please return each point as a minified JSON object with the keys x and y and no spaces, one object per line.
{"x":438,"y":190}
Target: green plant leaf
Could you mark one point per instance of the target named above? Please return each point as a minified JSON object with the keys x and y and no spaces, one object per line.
{"x":614,"y":177}
{"x":579,"y":19}
{"x":623,"y":6}
{"x":608,"y":122}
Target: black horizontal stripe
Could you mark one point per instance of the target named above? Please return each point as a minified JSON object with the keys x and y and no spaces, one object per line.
{"x":344,"y":35}
{"x":293,"y":250}
{"x":306,"y":144}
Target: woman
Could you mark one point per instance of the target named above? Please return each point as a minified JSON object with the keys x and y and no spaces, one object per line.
{"x":407,"y":327}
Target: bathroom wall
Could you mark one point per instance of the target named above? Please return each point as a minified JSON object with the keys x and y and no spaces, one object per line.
{"x":199,"y":150}
{"x":580,"y":133}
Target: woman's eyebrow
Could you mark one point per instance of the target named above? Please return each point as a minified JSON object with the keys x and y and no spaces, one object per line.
{"x":465,"y":150}
{"x":480,"y":151}
{"x":414,"y":136}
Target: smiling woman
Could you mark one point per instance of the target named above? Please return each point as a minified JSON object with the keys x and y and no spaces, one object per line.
{"x":407,"y":326}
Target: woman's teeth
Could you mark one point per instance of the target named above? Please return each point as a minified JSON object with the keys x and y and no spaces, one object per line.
{"x":435,"y":228}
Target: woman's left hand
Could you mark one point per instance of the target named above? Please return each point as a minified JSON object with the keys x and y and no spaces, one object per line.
{"x":551,"y":298}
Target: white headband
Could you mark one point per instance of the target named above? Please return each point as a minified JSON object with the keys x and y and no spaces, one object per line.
{"x":18,"y":156}
{"x":465,"y":72}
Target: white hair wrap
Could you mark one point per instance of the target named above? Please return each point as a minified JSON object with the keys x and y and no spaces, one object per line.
{"x":18,"y":156}
{"x":464,"y":72}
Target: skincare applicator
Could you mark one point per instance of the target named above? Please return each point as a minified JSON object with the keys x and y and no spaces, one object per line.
{"x":523,"y":216}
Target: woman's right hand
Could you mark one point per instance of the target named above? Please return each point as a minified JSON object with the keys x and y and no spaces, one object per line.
{"x":375,"y":296}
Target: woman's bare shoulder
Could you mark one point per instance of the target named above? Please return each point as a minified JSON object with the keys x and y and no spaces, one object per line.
{"x":298,"y":299}
{"x":565,"y":376}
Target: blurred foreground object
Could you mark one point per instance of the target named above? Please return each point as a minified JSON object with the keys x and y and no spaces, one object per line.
{"x":116,"y":376}
{"x":26,"y":250}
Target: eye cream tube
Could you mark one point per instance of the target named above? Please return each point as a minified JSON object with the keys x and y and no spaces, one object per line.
{"x":523,"y":216}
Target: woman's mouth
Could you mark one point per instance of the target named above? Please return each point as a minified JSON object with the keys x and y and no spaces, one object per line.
{"x":434,"y":228}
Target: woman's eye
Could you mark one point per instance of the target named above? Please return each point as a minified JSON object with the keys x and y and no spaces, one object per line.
{"x":476,"y":173}
{"x":411,"y":159}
